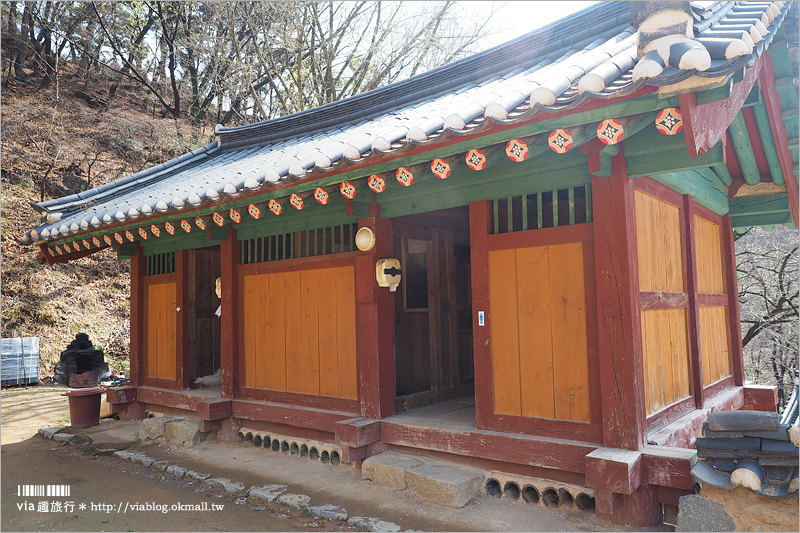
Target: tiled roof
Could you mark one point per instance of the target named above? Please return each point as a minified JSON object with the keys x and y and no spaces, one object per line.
{"x":589,"y":55}
{"x":748,"y":448}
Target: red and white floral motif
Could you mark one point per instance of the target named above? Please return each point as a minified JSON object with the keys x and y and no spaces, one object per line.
{"x":254,"y":211}
{"x":321,"y":195}
{"x":404,"y":176}
{"x":440,"y":168}
{"x":610,"y":131}
{"x":516,"y":150}
{"x":476,"y":160}
{"x":560,"y":141}
{"x":275,"y":207}
{"x":376,"y":183}
{"x":670,"y":121}
{"x":348,"y":190}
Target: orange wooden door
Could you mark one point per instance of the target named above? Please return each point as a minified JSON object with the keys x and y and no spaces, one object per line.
{"x":299,"y":331}
{"x":538,"y":317}
{"x":160,"y":328}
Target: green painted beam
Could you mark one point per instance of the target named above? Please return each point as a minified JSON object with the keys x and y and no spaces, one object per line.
{"x":744,"y":150}
{"x":280,"y":224}
{"x":766,"y":219}
{"x":759,"y":205}
{"x":714,"y":95}
{"x":702,"y":184}
{"x":768,"y":143}
{"x":723,"y":174}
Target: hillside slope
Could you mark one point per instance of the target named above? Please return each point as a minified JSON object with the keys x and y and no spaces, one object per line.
{"x":57,"y":135}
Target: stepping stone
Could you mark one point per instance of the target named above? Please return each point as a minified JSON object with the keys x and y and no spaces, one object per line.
{"x":49,"y":432}
{"x":376,"y":525}
{"x":63,"y":437}
{"x":330,"y":512}
{"x":226,"y":484}
{"x":267,"y":492}
{"x":297,"y":501}
{"x":388,"y":469}
{"x":176,"y":470}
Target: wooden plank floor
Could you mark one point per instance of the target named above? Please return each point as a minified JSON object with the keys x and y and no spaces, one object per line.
{"x":457,"y":414}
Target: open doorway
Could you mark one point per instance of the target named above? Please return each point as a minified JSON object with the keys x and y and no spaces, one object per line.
{"x":203,"y":324}
{"x":433,"y":309}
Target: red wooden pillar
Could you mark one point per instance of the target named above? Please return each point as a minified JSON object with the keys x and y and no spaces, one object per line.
{"x":732,"y":290}
{"x":137,"y":318}
{"x":479,"y":224}
{"x":690,"y":252}
{"x":618,"y":313}
{"x":375,"y":326}
{"x":181,"y":338}
{"x":229,"y":321}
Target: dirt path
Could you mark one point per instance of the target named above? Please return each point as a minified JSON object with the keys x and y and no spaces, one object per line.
{"x":30,"y":460}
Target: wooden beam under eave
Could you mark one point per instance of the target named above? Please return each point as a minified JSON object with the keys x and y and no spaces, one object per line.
{"x":705,"y":124}
{"x":773,"y":105}
{"x":52,"y":260}
{"x":744,"y":150}
{"x":768,"y":142}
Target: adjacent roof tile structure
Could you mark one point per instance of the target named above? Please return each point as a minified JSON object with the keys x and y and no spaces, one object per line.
{"x":591,"y":55}
{"x":751,"y":449}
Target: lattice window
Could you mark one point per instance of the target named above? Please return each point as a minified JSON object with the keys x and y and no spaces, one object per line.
{"x":560,"y":207}
{"x":160,"y":264}
{"x":306,"y":243}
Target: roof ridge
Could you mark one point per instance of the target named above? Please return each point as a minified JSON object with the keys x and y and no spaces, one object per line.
{"x":354,"y":107}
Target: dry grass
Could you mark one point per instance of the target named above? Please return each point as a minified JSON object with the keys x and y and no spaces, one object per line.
{"x":90,"y":294}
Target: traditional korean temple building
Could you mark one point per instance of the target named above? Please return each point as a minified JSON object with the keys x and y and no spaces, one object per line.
{"x":558,"y":216}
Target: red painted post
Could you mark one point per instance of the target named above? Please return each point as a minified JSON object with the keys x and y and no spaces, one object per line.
{"x":229,"y":321}
{"x":732,"y":291}
{"x":181,"y":304}
{"x":693,"y":312}
{"x":479,"y":223}
{"x":618,"y":314}
{"x":375,"y":327}
{"x":137,"y":318}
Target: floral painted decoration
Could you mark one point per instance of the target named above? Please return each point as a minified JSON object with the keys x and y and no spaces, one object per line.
{"x":185,"y":226}
{"x":610,"y":131}
{"x":96,"y":242}
{"x":516,"y":150}
{"x":118,"y":238}
{"x":670,"y":121}
{"x":440,"y":168}
{"x":296,"y":201}
{"x":348,"y":190}
{"x":275,"y":207}
{"x":254,"y":211}
{"x":404,"y":176}
{"x":476,"y":160}
{"x":129,"y":235}
{"x":169,"y":228}
{"x":200,"y":223}
{"x":560,"y":141}
{"x":58,"y":249}
{"x":218,"y":220}
{"x":86,"y":244}
{"x":155,"y":231}
{"x":142,"y":234}
{"x":76,"y":246}
{"x":321,"y":195}
{"x":376,"y":183}
{"x":107,"y":239}
{"x":235,"y":215}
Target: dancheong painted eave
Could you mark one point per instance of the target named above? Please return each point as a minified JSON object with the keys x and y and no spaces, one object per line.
{"x":591,"y":58}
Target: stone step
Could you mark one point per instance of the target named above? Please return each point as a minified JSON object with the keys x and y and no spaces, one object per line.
{"x":434,"y":480}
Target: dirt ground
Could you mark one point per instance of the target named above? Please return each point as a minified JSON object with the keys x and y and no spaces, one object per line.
{"x":29,"y":459}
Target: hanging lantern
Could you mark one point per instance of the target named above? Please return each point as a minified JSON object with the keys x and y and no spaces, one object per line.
{"x":107,"y":239}
{"x":404,"y":176}
{"x":275,"y":207}
{"x":129,"y":235}
{"x":169,"y":228}
{"x":235,"y":216}
{"x":155,"y":231}
{"x":218,"y":220}
{"x":200,"y":223}
{"x":476,"y":160}
{"x":254,"y":211}
{"x":376,"y":183}
{"x":516,"y":150}
{"x":76,"y":246}
{"x":142,"y":234}
{"x":560,"y":141}
{"x":670,"y":121}
{"x":440,"y":168}
{"x":321,"y":195}
{"x":185,"y":226}
{"x":610,"y":131}
{"x":96,"y":242}
{"x":348,"y":190}
{"x":118,"y":238}
{"x":296,"y":201}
